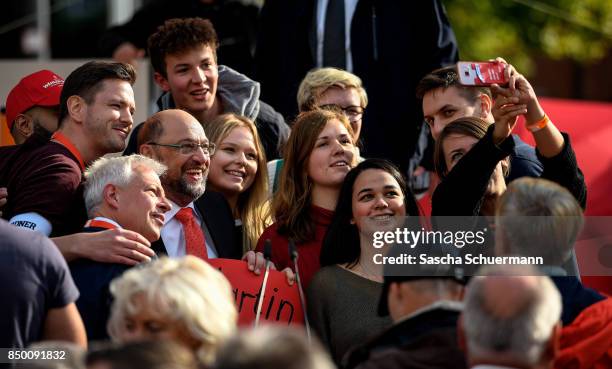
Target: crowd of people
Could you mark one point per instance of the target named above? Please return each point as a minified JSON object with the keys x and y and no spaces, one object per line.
{"x":106,"y":257}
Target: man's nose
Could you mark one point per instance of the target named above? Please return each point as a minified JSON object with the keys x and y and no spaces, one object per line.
{"x":126,"y":116}
{"x":199,"y":75}
{"x":164,"y":205}
{"x":437,"y":128}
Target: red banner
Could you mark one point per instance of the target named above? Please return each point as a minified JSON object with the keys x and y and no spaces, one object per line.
{"x":281,"y":302}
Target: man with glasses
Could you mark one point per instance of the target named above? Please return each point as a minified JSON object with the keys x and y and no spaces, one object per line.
{"x":334,"y":89}
{"x":331,"y":88}
{"x":200,"y":222}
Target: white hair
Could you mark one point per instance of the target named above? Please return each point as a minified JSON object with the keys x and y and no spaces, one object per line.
{"x":186,"y":291}
{"x":117,"y":170}
{"x":522,"y":337}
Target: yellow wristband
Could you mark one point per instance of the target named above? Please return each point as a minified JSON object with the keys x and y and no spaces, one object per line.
{"x":539,"y":124}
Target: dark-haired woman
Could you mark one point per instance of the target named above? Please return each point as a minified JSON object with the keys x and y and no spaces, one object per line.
{"x":344,"y":294}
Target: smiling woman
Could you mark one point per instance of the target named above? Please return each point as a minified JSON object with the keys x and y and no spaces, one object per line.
{"x":238,"y":171}
{"x":317,"y":157}
{"x":373,"y":197}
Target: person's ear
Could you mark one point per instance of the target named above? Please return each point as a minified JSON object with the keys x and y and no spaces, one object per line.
{"x":146,"y":150}
{"x":111,"y":195}
{"x":161,"y":81}
{"x":486,"y":104}
{"x":77,"y":108}
{"x":24,"y":125}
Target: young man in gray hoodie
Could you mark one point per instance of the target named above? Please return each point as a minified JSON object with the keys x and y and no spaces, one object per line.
{"x":184,"y":60}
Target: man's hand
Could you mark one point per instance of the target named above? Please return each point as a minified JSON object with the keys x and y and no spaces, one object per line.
{"x":119,"y":246}
{"x":3,"y":198}
{"x":128,"y":53}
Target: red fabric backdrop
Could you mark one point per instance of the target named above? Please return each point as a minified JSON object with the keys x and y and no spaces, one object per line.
{"x":589,"y":125}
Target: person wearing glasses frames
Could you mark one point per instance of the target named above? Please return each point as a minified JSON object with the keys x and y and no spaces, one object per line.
{"x":329,"y":89}
{"x":176,"y":139}
{"x":332,"y":88}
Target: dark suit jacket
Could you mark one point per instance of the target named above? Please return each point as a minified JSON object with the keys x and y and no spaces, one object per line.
{"x":393,"y":43}
{"x":217,"y":216}
{"x":93,"y":279}
{"x":428,"y":340}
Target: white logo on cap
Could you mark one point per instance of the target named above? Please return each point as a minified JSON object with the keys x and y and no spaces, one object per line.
{"x":55,"y":82}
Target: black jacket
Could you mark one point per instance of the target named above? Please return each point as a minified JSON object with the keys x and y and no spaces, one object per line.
{"x":93,"y":279}
{"x":461,"y":193}
{"x":393,"y":45}
{"x":428,"y":340}
{"x":234,"y":22}
{"x":575,"y":297}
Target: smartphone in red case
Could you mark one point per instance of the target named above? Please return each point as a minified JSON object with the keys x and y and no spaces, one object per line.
{"x":481,"y":73}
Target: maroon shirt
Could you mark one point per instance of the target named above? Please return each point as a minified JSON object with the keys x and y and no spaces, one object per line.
{"x":45,"y":178}
{"x":309,"y":252}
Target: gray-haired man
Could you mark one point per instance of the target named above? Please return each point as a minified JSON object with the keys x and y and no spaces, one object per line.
{"x":120,"y":192}
{"x":511,"y":319}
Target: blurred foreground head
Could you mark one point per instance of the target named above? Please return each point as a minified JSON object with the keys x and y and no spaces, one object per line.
{"x":511,"y":318}
{"x":272,"y":347}
{"x":537,"y":217}
{"x":185,"y":300}
{"x":142,"y":355}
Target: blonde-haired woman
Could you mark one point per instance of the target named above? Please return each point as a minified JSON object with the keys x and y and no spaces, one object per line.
{"x":238,"y":171}
{"x":184,"y":299}
{"x":318,"y":155}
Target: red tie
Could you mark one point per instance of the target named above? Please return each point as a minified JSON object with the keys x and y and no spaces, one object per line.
{"x":195,"y":244}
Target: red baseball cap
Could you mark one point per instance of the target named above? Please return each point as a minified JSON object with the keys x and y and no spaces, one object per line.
{"x":42,"y":88}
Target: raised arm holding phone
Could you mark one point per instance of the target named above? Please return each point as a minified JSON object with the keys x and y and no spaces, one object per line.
{"x":470,"y":156}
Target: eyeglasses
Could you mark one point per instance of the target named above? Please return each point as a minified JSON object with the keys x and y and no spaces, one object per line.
{"x":189,"y":148}
{"x":352,"y":112}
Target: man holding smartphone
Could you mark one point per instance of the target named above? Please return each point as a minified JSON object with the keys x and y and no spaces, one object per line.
{"x":445,"y":99}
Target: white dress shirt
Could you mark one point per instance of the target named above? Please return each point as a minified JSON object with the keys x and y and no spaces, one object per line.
{"x":349,"y":10}
{"x":174,"y":238}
